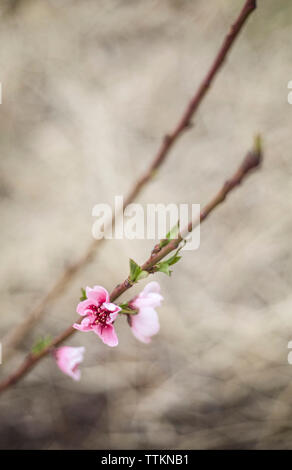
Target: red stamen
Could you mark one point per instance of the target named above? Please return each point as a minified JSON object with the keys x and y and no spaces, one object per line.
{"x":101,"y":314}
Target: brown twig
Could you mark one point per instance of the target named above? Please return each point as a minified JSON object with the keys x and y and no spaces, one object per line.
{"x":12,"y":339}
{"x":251,"y":162}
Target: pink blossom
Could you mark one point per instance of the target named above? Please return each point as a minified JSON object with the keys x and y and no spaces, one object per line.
{"x":99,"y":315}
{"x":145,"y":323}
{"x":68,"y":360}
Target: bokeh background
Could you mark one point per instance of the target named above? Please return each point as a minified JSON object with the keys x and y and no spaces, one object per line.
{"x":89,"y":89}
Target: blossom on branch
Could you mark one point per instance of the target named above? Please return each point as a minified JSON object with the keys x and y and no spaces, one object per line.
{"x":145,"y":323}
{"x":99,"y":315}
{"x":68,"y":360}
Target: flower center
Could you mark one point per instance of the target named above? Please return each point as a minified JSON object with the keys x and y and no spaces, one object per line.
{"x":102,"y":315}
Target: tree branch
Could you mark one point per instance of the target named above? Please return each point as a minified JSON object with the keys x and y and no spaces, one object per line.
{"x":251,"y":162}
{"x":12,"y":339}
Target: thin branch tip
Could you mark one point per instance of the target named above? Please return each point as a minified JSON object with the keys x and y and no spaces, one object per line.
{"x":254,"y":158}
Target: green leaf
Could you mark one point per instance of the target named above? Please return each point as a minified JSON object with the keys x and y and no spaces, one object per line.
{"x":128,"y":311}
{"x":173,"y":260}
{"x":142,"y":275}
{"x":41,"y":344}
{"x":135,"y":270}
{"x":124,"y":305}
{"x":163,"y":268}
{"x":172,"y":234}
{"x":83,"y":294}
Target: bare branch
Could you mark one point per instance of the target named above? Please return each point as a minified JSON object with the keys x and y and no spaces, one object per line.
{"x":13,"y":338}
{"x":251,"y":162}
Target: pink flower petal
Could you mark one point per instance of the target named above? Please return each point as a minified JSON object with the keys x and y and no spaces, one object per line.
{"x":82,"y":307}
{"x":111,"y":307}
{"x":113,"y":316}
{"x":140,"y":337}
{"x":98,"y":294}
{"x":107,"y":334}
{"x":150,"y":300}
{"x":68,"y":360}
{"x":151,"y":287}
{"x":82,"y":327}
{"x":145,"y":324}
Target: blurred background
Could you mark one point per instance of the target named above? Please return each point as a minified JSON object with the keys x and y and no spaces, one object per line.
{"x":89,"y":89}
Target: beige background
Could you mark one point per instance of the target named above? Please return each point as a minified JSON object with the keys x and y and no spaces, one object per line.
{"x":89,"y":89}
